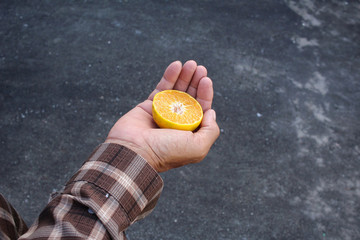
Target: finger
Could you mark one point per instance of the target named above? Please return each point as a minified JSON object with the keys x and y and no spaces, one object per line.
{"x":186,"y":75}
{"x":205,"y":93}
{"x":146,"y":106}
{"x":200,"y":73}
{"x":207,"y":134}
{"x":169,"y":78}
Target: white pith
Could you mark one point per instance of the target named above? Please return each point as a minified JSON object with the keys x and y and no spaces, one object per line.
{"x":178,"y":107}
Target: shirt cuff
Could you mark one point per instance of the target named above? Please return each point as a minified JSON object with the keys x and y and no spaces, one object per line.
{"x":117,"y":184}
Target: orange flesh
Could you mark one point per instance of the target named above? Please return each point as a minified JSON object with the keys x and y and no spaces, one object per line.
{"x":178,"y":107}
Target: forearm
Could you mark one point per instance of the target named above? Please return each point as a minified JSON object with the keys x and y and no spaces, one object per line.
{"x":112,"y":189}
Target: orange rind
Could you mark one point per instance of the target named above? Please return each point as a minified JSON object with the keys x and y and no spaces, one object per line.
{"x":176,"y":110}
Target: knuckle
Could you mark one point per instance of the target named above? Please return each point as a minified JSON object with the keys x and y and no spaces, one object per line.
{"x":217,"y":131}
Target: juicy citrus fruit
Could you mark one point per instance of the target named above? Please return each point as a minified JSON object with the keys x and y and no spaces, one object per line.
{"x":177,"y":110}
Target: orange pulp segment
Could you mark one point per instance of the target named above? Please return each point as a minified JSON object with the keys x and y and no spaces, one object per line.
{"x":177,"y":110}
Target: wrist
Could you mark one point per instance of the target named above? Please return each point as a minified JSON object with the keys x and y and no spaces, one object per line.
{"x":138,"y":150}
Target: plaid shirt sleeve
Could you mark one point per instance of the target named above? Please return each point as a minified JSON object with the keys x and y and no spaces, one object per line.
{"x":114,"y":188}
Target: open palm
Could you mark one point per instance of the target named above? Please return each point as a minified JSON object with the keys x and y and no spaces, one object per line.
{"x":167,"y":148}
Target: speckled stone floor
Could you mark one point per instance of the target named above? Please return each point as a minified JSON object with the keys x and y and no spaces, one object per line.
{"x":287,"y":95}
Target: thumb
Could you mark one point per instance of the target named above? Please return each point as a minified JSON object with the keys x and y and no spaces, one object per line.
{"x":209,"y":130}
{"x":209,"y":118}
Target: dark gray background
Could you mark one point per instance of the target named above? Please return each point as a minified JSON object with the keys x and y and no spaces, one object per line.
{"x":287,"y":95}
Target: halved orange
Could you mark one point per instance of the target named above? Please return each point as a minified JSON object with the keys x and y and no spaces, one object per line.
{"x":177,"y":110}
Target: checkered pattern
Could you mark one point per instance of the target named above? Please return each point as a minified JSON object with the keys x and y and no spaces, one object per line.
{"x":11,"y":224}
{"x":114,"y":188}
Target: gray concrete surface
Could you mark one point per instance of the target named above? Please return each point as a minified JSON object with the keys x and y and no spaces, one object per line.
{"x":287,"y":95}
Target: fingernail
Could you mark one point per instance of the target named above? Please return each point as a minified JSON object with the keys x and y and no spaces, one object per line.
{"x":214,"y":115}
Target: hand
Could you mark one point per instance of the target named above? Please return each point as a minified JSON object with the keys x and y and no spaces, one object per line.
{"x":165,"y":149}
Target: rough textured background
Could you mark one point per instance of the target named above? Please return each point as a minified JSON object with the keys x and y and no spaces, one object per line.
{"x":287,"y":95}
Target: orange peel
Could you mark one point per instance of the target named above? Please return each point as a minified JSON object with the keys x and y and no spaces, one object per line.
{"x":176,"y":110}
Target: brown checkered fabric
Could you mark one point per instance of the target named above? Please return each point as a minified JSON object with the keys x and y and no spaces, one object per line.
{"x":114,"y":188}
{"x":11,"y":224}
